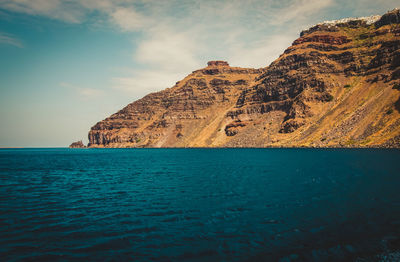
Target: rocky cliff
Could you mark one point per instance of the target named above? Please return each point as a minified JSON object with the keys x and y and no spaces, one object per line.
{"x":338,"y":85}
{"x":77,"y":144}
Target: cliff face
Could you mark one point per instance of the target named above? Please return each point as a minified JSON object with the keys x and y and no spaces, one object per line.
{"x":337,"y":85}
{"x":183,"y":115}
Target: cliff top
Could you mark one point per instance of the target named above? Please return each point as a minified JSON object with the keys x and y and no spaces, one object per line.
{"x":368,"y":20}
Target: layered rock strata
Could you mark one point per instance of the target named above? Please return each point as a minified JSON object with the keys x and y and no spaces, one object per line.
{"x":337,"y":85}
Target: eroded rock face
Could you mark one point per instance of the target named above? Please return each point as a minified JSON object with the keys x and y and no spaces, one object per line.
{"x":169,"y":117}
{"x":78,"y":144}
{"x":325,"y":39}
{"x":310,"y":72}
{"x":332,"y":87}
{"x":234,"y":127}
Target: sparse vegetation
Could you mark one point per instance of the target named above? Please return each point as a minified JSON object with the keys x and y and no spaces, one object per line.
{"x":329,"y":98}
{"x":351,"y":142}
{"x":396,"y":86}
{"x":366,"y":141}
{"x":389,"y":111}
{"x":137,"y":140}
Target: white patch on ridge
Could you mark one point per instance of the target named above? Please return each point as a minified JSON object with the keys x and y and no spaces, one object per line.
{"x":369,"y":20}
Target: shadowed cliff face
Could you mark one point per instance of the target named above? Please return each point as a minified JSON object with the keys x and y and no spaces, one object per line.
{"x":337,"y":85}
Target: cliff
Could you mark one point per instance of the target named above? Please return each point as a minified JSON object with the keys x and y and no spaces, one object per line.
{"x":337,"y":85}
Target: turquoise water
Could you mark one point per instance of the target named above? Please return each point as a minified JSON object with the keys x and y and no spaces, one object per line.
{"x":199,"y":204}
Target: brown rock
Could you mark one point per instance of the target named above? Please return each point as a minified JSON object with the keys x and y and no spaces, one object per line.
{"x":332,"y":88}
{"x":77,"y":144}
{"x":217,"y":63}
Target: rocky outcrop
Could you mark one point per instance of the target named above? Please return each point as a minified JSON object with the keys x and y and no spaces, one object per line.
{"x":77,"y":144}
{"x":392,"y":17}
{"x":234,"y":127}
{"x":217,"y":63}
{"x":332,"y":88}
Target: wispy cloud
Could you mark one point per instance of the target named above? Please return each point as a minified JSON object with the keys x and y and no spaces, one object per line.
{"x":142,"y":82}
{"x":56,"y":9}
{"x":261,"y":53}
{"x":174,"y":37}
{"x":167,"y":49}
{"x":10,"y":40}
{"x":83,"y":92}
{"x":128,"y":19}
{"x":297,"y":11}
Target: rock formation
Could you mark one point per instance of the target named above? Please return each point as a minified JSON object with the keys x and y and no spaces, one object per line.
{"x":338,"y":85}
{"x":77,"y":144}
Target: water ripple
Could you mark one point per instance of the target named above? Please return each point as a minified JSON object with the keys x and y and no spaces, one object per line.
{"x":199,"y":204}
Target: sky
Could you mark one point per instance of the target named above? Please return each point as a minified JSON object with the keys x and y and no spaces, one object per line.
{"x":67,"y":64}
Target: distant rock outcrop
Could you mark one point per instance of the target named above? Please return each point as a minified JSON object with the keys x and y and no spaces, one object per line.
{"x":77,"y":144}
{"x":217,"y":63}
{"x":336,"y":86}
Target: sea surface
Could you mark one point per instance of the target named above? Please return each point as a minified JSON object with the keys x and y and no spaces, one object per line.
{"x":199,"y":205}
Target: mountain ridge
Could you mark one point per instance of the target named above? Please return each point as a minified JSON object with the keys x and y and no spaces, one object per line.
{"x":337,"y":85}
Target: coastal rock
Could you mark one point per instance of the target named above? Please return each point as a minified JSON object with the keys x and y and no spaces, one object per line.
{"x":78,"y":144}
{"x":333,"y":87}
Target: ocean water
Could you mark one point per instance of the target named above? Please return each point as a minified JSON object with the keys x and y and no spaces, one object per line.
{"x":199,"y":205}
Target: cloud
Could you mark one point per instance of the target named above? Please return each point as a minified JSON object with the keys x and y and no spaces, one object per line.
{"x":166,"y":49}
{"x":83,"y":92}
{"x":143,"y":82}
{"x":261,"y":53}
{"x":367,"y":7}
{"x":128,"y":19}
{"x":66,"y":11}
{"x":165,"y":56}
{"x":89,"y":92}
{"x":119,"y":12}
{"x":10,"y":40}
{"x":298,"y":11}
{"x":174,"y":37}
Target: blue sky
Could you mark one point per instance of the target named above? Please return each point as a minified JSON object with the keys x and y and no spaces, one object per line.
{"x":67,"y":64}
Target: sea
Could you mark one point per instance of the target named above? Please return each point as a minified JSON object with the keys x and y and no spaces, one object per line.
{"x":59,"y":204}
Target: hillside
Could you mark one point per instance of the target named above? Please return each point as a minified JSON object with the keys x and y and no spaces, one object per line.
{"x":337,"y":85}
